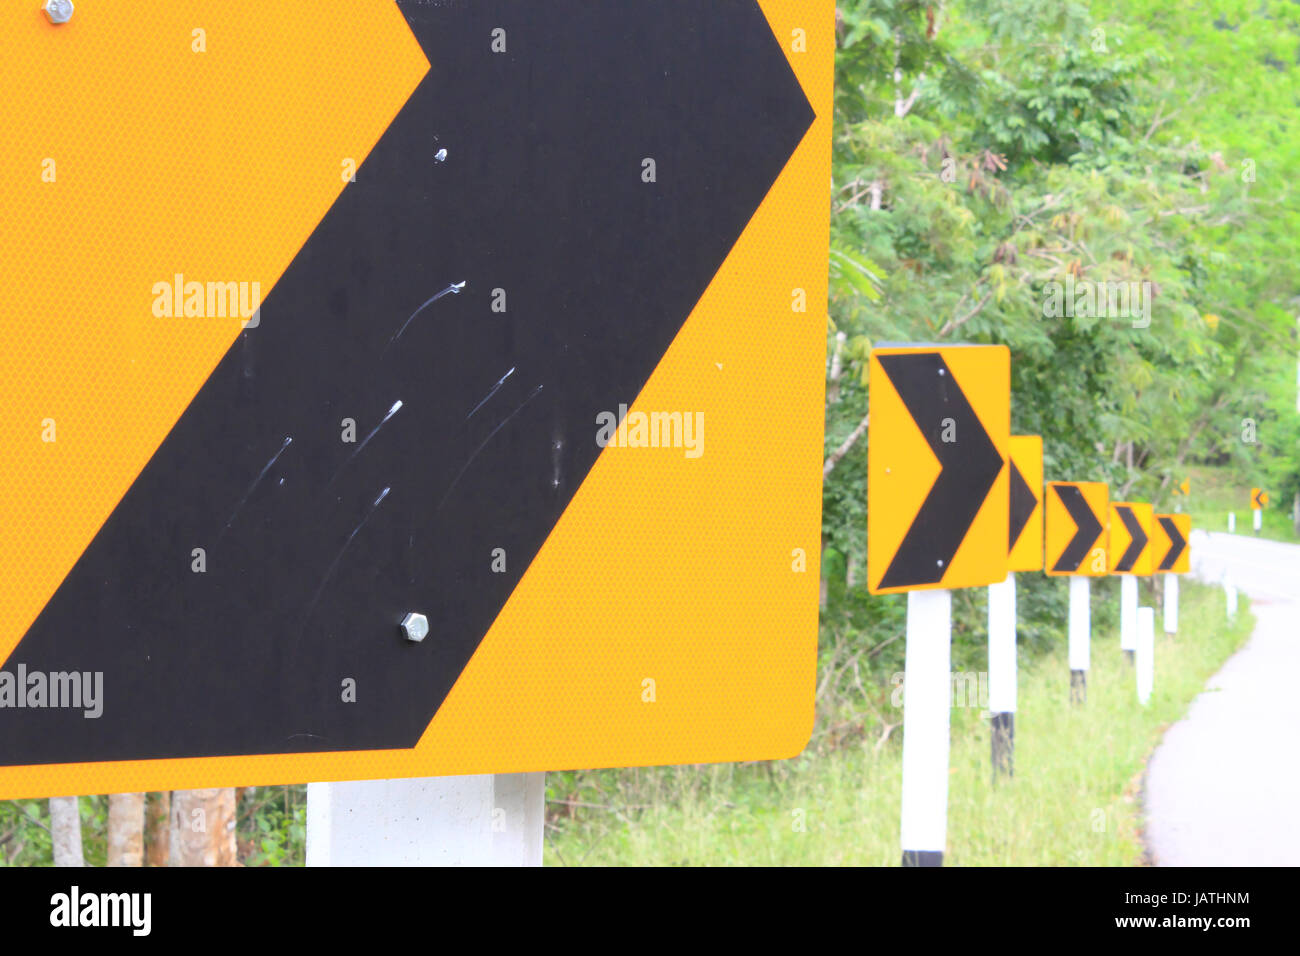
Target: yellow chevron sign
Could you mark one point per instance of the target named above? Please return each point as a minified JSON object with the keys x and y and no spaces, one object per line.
{"x":937,"y":485}
{"x":1171,"y":551}
{"x":308,"y":339}
{"x":1131,"y":532}
{"x":1026,"y":483}
{"x":1076,"y":533}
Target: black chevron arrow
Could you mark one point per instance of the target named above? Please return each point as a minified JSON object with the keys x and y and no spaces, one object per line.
{"x":1259,"y":503}
{"x":315,"y":554}
{"x":1138,"y":536}
{"x":1023,"y":503}
{"x":1086,"y":523}
{"x":969,"y":467}
{"x":1176,"y":543}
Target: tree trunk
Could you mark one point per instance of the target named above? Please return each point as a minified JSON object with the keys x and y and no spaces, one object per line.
{"x":65,"y":828}
{"x":203,"y":827}
{"x":837,"y":369}
{"x":158,"y":829}
{"x":244,"y":849}
{"x":126,"y":829}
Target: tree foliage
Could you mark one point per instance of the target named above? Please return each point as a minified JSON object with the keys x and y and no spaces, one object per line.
{"x":991,"y":152}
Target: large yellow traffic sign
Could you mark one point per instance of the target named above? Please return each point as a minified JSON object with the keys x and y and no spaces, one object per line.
{"x":1076,"y":528}
{"x":1258,"y":499}
{"x":1170,"y":544}
{"x":937,"y":487}
{"x":1026,"y":503}
{"x":1129,"y":548}
{"x":308,"y":336}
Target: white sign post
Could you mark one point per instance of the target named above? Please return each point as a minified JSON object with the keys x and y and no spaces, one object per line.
{"x":491,"y":820}
{"x":1128,"y":609}
{"x":1232,"y":522}
{"x":1171,"y":603}
{"x":1146,"y":651}
{"x":1080,"y":638}
{"x":1259,"y":519}
{"x":927,"y":697}
{"x":1002,"y":673}
{"x":1230,"y":592}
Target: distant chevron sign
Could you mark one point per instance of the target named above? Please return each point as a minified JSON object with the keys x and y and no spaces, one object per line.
{"x":1169,"y":544}
{"x":938,"y":487}
{"x":1130,"y":538}
{"x":1025,"y":533}
{"x":1076,"y":528}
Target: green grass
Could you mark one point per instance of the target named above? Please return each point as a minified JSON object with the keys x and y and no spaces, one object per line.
{"x":1214,"y":495}
{"x":1075,"y":799}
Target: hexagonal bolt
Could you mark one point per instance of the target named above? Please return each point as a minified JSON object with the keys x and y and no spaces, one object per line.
{"x":415,"y":627}
{"x":59,"y":11}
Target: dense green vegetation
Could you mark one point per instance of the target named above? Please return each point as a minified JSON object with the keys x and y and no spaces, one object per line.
{"x":993,"y":152}
{"x":270,"y":829}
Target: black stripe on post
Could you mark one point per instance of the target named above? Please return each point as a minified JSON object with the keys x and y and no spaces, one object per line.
{"x":1078,"y":687}
{"x":1004,"y":744}
{"x":922,"y":858}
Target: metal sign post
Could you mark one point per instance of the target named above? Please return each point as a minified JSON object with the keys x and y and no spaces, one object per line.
{"x":491,"y":820}
{"x":927,"y":698}
{"x":1076,"y":546}
{"x":1131,"y":528}
{"x":1025,"y":553}
{"x":1080,"y":638}
{"x":931,"y":532}
{"x":1146,"y":645}
{"x":1128,"y":608}
{"x":1002,"y":673}
{"x":1171,"y":603}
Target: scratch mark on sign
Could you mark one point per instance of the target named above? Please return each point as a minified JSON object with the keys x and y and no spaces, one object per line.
{"x":253,"y":487}
{"x":509,"y":418}
{"x":453,"y":289}
{"x":329,"y":573}
{"x":397,"y":407}
{"x":488,"y":397}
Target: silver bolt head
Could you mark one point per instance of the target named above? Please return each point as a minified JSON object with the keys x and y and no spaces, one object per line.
{"x":416,"y":627}
{"x":59,"y":11}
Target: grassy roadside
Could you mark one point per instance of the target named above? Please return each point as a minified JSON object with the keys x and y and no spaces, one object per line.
{"x":1073,"y":801}
{"x":1214,"y":496}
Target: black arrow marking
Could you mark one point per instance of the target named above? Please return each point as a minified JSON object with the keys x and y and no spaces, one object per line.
{"x":1086,"y":523}
{"x":540,"y":195}
{"x":970,"y":465}
{"x":1258,"y":499}
{"x":1176,"y":543}
{"x":1138,"y":536}
{"x":1023,"y":503}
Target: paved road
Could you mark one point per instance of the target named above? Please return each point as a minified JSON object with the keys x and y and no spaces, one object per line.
{"x":1223,"y":788}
